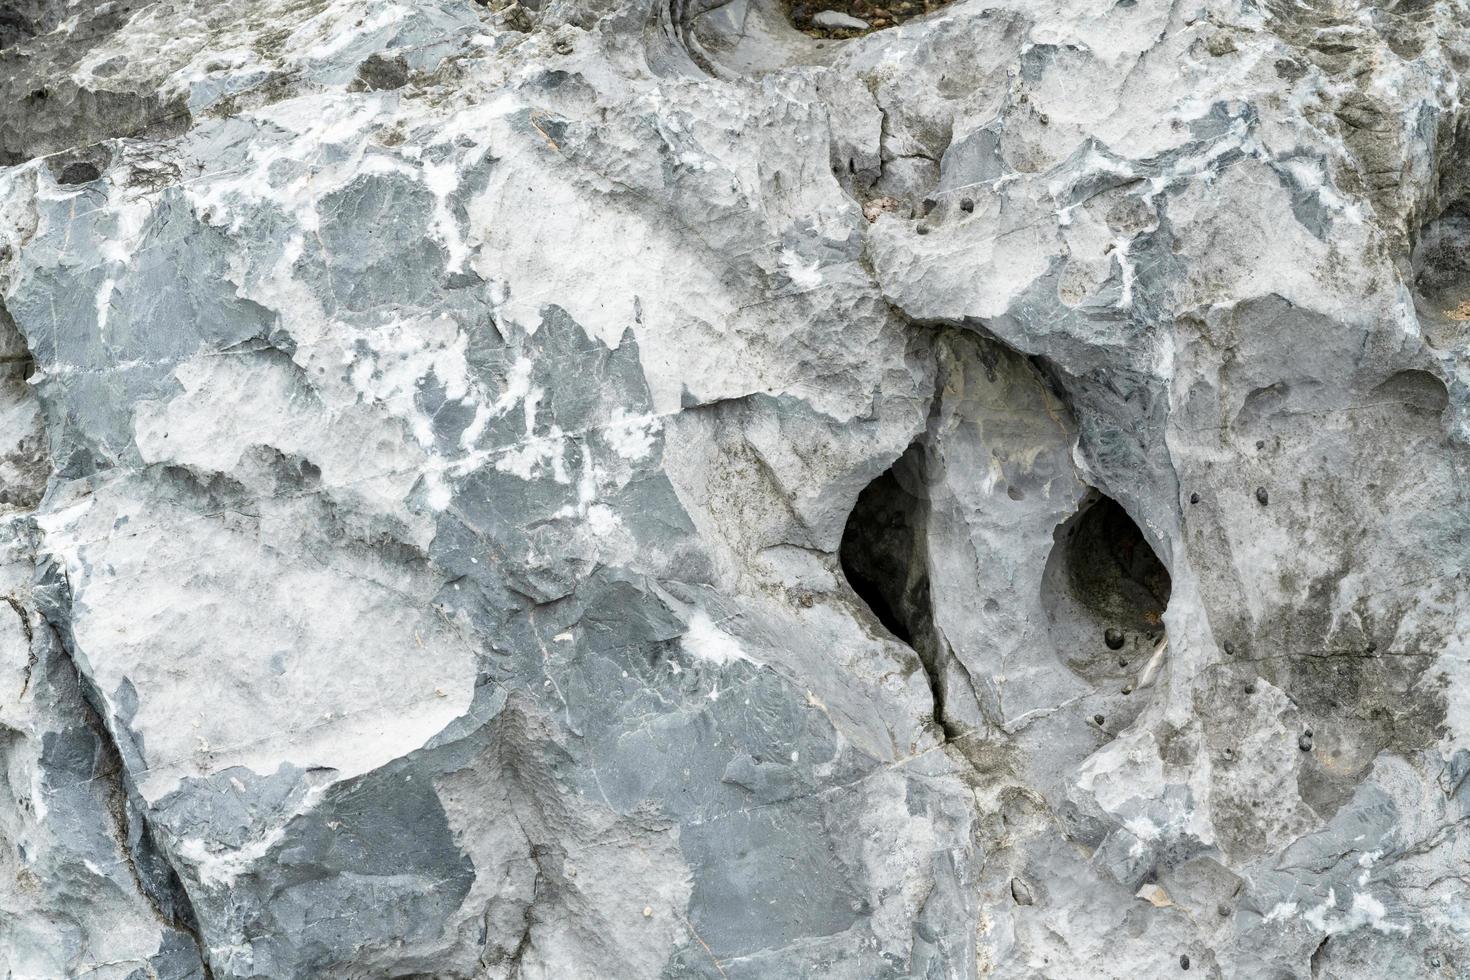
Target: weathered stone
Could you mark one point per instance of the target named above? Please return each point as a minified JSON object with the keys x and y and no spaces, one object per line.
{"x":590,"y":488}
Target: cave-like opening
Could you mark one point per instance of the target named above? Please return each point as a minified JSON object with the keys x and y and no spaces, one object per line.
{"x":881,"y":551}
{"x":1114,"y":571}
{"x":1105,"y":591}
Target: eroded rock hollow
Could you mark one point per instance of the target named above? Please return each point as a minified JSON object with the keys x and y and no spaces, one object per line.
{"x":747,"y":489}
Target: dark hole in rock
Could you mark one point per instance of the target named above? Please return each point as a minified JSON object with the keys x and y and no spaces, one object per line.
{"x":1113,"y":570}
{"x":853,"y":18}
{"x":1416,"y":391}
{"x":79,"y":172}
{"x":1441,"y":263}
{"x":884,"y":555}
{"x":881,"y":550}
{"x":381,"y":73}
{"x":1441,"y":270}
{"x":1102,"y":580}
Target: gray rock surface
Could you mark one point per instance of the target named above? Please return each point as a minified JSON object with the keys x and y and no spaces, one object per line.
{"x":625,"y":489}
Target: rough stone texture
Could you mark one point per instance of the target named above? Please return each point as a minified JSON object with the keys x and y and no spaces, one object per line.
{"x":626,"y":489}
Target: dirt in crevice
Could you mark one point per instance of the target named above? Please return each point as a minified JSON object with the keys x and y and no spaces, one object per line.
{"x":876,"y":14}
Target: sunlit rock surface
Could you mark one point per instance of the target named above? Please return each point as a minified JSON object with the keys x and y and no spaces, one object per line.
{"x":629,"y":489}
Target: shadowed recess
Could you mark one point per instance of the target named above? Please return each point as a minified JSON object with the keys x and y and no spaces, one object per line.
{"x":881,"y":545}
{"x":1104,"y":590}
{"x":1113,"y":571}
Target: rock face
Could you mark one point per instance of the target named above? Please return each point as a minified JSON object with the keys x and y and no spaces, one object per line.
{"x":621,"y":488}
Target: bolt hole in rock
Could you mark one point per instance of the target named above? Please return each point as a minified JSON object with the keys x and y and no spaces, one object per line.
{"x":852,"y":18}
{"x":1105,"y":591}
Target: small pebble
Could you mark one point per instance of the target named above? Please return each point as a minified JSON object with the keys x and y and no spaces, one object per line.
{"x":1305,"y":741}
{"x":1114,"y":638}
{"x":648,"y":911}
{"x":922,"y":229}
{"x":1194,"y":498}
{"x":1262,"y":497}
{"x":1099,"y":719}
{"x":879,"y":206}
{"x":967,"y":205}
{"x":1260,"y":443}
{"x":1222,"y":909}
{"x":836,"y":20}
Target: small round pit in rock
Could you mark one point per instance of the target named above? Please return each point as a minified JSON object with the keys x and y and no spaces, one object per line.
{"x":1229,"y":648}
{"x":1099,"y":719}
{"x":967,"y":205}
{"x":922,"y":229}
{"x":1305,"y":741}
{"x":1183,"y":961}
{"x":1250,"y":689}
{"x":1114,"y":638}
{"x":1262,"y":497}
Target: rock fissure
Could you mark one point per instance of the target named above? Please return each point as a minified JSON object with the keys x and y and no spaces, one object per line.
{"x":148,"y":865}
